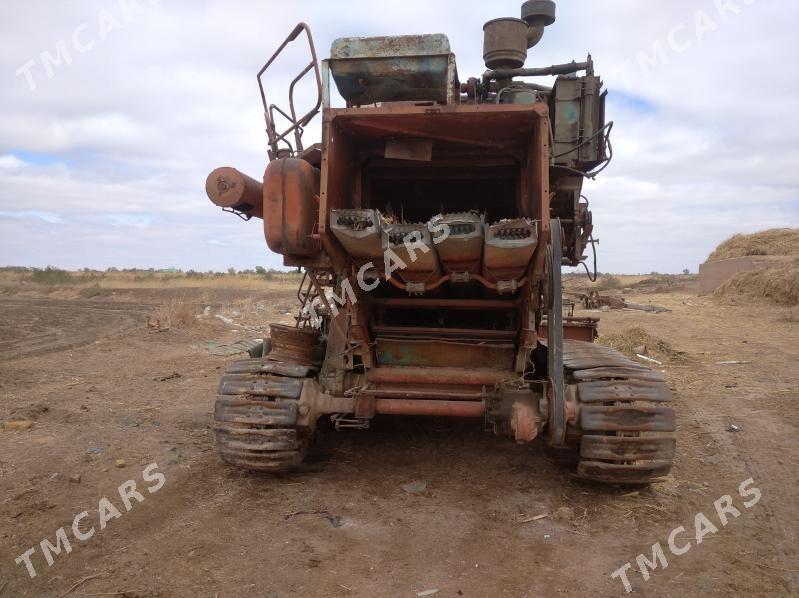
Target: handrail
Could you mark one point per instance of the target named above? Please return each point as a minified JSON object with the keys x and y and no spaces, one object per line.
{"x":296,"y":124}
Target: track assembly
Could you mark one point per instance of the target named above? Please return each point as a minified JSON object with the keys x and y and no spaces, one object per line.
{"x":624,"y":419}
{"x":255,"y":415}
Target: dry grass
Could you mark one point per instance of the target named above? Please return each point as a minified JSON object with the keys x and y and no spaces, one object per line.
{"x":175,"y":313}
{"x":95,"y":291}
{"x":15,"y":278}
{"x":629,"y":284}
{"x":608,"y":282}
{"x":627,"y":341}
{"x":779,"y":285}
{"x":777,"y":241}
{"x":237,"y":281}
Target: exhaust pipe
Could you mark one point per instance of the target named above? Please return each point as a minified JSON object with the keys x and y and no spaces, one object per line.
{"x":538,"y":14}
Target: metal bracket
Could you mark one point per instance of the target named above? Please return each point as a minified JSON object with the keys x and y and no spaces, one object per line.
{"x":364,"y":406}
{"x":341,"y":422}
{"x":415,"y":288}
{"x":507,"y":286}
{"x":242,"y":215}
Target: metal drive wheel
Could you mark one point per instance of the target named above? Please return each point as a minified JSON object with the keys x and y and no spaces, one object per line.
{"x":557,"y":404}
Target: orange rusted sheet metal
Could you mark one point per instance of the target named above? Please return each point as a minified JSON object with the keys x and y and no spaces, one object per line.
{"x":291,"y":188}
{"x":234,"y":190}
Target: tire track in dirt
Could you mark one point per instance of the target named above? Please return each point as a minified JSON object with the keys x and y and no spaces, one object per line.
{"x":711,"y":396}
{"x":33,"y":327}
{"x":748,"y":454}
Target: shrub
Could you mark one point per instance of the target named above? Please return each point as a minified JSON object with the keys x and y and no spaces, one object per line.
{"x":175,"y":313}
{"x":607,"y":282}
{"x":50,"y":275}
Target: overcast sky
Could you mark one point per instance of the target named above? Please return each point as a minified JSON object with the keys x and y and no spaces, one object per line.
{"x":103,"y":157}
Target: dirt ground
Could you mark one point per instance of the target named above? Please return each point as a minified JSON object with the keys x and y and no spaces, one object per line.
{"x":100,"y":386}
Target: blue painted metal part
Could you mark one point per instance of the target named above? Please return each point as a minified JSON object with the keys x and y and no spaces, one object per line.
{"x":389,"y":69}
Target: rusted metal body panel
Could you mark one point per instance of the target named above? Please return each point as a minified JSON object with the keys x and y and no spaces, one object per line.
{"x":291,"y":186}
{"x":293,"y":345}
{"x":578,"y":123}
{"x":468,"y":135}
{"x":575,"y":328}
{"x":469,"y":334}
{"x":443,"y":353}
{"x":444,"y":375}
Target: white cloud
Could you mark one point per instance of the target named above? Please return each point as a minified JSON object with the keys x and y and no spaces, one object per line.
{"x":11,"y":162}
{"x":130,"y":220}
{"x":48,"y":217}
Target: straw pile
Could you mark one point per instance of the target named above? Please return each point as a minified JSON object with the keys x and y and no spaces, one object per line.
{"x":777,"y":241}
{"x":779,"y":284}
{"x":632,"y":340}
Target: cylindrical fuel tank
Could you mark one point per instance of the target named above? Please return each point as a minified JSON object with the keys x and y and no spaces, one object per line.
{"x":291,"y":207}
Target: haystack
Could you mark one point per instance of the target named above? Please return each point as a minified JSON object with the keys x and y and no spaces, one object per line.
{"x":760,"y":266}
{"x":778,"y":284}
{"x":777,"y":241}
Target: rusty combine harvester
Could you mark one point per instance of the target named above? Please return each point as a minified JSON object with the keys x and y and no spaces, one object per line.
{"x":431,"y":223}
